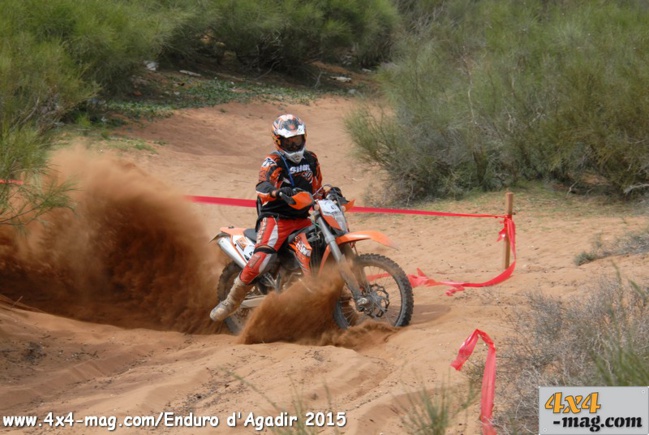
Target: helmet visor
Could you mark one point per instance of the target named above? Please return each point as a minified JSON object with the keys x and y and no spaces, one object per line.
{"x":292,"y":144}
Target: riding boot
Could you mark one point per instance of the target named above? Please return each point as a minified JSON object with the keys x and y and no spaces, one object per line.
{"x":228,"y":306}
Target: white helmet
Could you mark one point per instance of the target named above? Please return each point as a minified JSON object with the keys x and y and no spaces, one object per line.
{"x":289,"y":135}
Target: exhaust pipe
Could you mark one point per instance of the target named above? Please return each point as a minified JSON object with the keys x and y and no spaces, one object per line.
{"x":231,"y":251}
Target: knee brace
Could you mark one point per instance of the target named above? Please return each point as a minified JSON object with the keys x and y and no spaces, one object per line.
{"x":262,"y":259}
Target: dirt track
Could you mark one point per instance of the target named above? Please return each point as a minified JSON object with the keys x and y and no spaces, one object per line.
{"x":121,"y":290}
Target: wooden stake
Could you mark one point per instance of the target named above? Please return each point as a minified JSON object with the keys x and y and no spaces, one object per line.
{"x":509,"y":208}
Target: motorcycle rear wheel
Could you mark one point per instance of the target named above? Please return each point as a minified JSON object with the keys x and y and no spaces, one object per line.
{"x":381,"y":276}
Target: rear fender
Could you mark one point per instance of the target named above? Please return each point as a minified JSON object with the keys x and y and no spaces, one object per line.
{"x":229,"y":231}
{"x":358,"y":236}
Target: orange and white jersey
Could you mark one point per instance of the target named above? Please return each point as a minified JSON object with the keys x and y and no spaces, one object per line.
{"x":277,"y":172}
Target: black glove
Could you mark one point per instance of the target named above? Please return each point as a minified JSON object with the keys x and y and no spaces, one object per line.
{"x":286,"y":191}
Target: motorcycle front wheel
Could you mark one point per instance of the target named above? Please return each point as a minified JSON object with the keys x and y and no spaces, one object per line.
{"x":387,"y":288}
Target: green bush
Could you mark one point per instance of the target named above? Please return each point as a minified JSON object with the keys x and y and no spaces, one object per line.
{"x":38,"y":84}
{"x":491,"y":92}
{"x":106,"y":40}
{"x":287,"y":35}
{"x":191,"y":39}
{"x":368,"y":24}
{"x":54,"y":56}
{"x":593,"y":81}
{"x":23,"y":160}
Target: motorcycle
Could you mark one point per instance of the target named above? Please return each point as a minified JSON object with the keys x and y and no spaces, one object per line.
{"x":374,"y":286}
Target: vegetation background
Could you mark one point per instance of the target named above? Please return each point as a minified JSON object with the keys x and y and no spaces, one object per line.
{"x":477,"y":95}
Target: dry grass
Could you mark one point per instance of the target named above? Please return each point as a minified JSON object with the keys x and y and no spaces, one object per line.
{"x":632,"y":243}
{"x":601,"y":339}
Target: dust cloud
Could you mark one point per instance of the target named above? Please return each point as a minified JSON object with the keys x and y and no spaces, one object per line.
{"x":304,"y":314}
{"x":130,"y":252}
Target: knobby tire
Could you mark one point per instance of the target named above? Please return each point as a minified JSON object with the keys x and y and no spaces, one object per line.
{"x":345,"y":313}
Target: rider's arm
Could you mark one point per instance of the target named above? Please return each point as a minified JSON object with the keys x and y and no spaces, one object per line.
{"x":266,"y":191}
{"x":269,"y":180}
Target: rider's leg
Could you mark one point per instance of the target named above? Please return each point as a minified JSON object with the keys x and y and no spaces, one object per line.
{"x":228,"y":306}
{"x":272,"y":233}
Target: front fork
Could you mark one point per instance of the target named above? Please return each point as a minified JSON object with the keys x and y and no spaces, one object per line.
{"x":345,"y":269}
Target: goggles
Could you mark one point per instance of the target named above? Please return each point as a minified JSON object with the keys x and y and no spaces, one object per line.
{"x":292,"y":144}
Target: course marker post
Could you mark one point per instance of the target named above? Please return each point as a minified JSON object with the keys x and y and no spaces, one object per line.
{"x":509,"y":208}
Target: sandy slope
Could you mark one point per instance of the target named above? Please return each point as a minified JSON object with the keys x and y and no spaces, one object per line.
{"x":120,"y":292}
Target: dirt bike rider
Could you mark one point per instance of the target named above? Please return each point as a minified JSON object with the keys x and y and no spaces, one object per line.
{"x":288,"y":168}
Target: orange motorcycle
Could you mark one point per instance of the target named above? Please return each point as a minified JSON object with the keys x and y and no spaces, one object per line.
{"x":374,"y":286}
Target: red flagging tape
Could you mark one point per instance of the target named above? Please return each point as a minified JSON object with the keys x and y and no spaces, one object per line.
{"x":418,"y":212}
{"x":223,"y":201}
{"x":488,"y":378}
{"x":252,"y":203}
{"x":11,"y":182}
{"x":509,"y":230}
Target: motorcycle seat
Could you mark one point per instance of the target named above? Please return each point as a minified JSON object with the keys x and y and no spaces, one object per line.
{"x":250,"y":233}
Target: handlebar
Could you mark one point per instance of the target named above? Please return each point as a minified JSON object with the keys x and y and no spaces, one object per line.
{"x":302,"y":198}
{"x":335,"y":194}
{"x":287,"y":199}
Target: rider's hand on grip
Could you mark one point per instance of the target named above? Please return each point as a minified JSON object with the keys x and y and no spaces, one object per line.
{"x":286,"y":193}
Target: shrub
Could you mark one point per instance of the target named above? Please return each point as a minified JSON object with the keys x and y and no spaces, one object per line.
{"x":431,"y":413}
{"x":191,"y":39}
{"x":492,"y":92}
{"x":636,"y":242}
{"x":288,"y":35}
{"x":370,"y":26}
{"x":588,"y":124}
{"x":106,"y":40}
{"x":54,"y":56}
{"x":599,"y":339}
{"x":38,"y":84}
{"x":38,"y":80}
